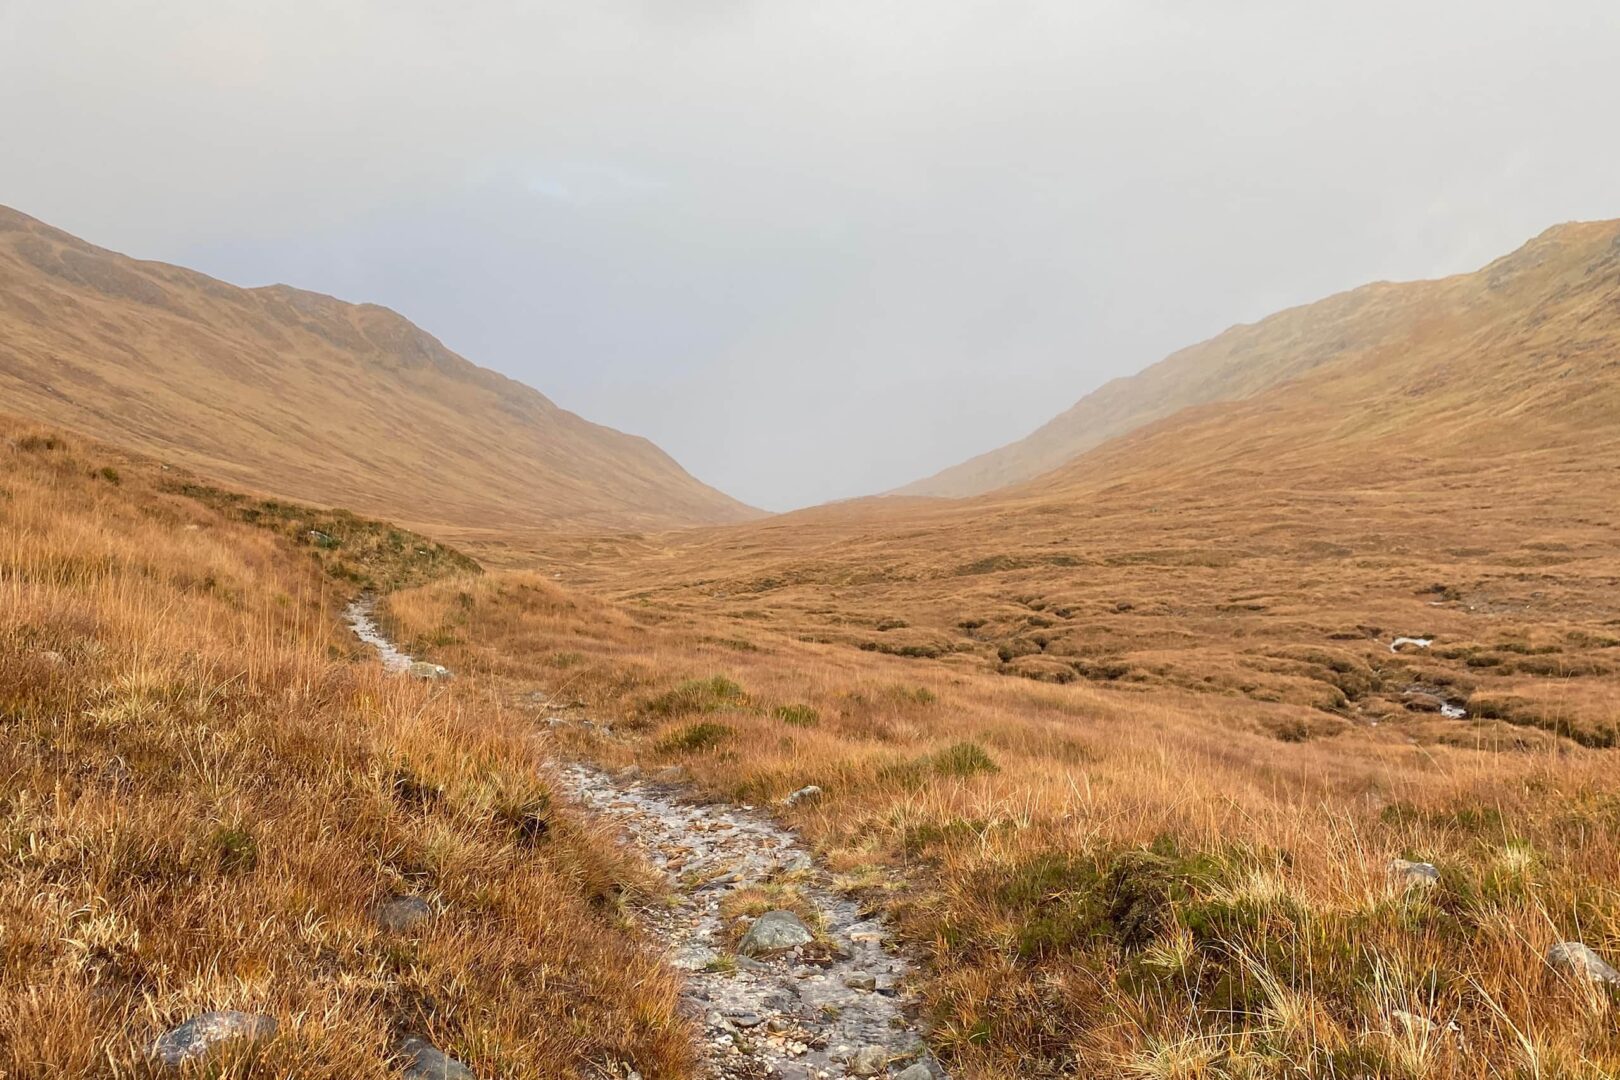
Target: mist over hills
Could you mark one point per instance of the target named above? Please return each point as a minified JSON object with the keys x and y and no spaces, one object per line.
{"x":298,"y":394}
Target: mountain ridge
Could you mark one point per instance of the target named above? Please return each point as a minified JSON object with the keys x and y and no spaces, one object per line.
{"x":1244,"y":360}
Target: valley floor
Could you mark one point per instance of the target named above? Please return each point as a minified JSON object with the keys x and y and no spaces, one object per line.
{"x":215,"y":799}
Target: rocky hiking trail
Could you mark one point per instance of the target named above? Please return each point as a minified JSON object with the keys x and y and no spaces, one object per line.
{"x":777,"y":997}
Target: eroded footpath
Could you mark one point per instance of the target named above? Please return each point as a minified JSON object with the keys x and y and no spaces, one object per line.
{"x":833,"y":1006}
{"x":776,"y":997}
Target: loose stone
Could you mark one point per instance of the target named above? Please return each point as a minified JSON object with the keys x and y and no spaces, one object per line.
{"x":868,"y":1061}
{"x":424,"y":1061}
{"x":201,"y":1034}
{"x":1579,"y":960}
{"x":773,"y":932}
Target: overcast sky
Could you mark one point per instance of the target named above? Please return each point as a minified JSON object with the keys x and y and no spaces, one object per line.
{"x":813,"y":248}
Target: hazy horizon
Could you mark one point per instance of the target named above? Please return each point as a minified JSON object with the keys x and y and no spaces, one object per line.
{"x":813,"y":252}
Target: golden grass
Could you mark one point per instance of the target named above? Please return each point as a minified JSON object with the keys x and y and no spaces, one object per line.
{"x":1110,"y":883}
{"x":203,"y":794}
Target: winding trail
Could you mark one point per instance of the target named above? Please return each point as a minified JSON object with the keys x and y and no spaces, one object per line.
{"x":836,"y":1006}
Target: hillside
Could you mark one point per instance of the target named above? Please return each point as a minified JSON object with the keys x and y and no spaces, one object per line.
{"x":1243,"y":362}
{"x":297,"y":394}
{"x":213,"y":798}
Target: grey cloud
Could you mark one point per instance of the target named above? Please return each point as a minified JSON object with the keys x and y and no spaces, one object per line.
{"x":814,"y":250}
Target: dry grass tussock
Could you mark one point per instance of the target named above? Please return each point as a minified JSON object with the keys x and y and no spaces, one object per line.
{"x":1107,"y":883}
{"x":203,"y":794}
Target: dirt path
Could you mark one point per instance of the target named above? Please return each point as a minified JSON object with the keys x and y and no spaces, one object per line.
{"x":829,"y":1007}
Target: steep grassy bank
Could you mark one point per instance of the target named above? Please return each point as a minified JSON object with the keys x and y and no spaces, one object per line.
{"x":204,"y":794}
{"x":1111,"y":884}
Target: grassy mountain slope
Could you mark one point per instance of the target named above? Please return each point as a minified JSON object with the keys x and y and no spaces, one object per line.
{"x":301,"y":395}
{"x":206,"y":788}
{"x":1343,"y":330}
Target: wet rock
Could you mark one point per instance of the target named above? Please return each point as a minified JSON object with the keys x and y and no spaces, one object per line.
{"x":774,"y":932}
{"x":421,"y":669}
{"x":424,"y":1061}
{"x":868,"y":1061}
{"x":202,"y":1033}
{"x":809,"y":793}
{"x":402,"y":914}
{"x":1577,"y":959}
{"x":1414,"y":875}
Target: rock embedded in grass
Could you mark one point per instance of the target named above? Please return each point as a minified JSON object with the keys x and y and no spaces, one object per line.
{"x":774,"y":932}
{"x":804,"y":794}
{"x":401,"y":914}
{"x":1414,"y":875}
{"x":202,"y":1033}
{"x":1580,"y":960}
{"x":424,"y":1061}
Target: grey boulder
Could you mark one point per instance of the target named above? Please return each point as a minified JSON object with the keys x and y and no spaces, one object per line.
{"x":424,"y":1061}
{"x":202,"y":1033}
{"x":1579,"y":960}
{"x":774,"y":932}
